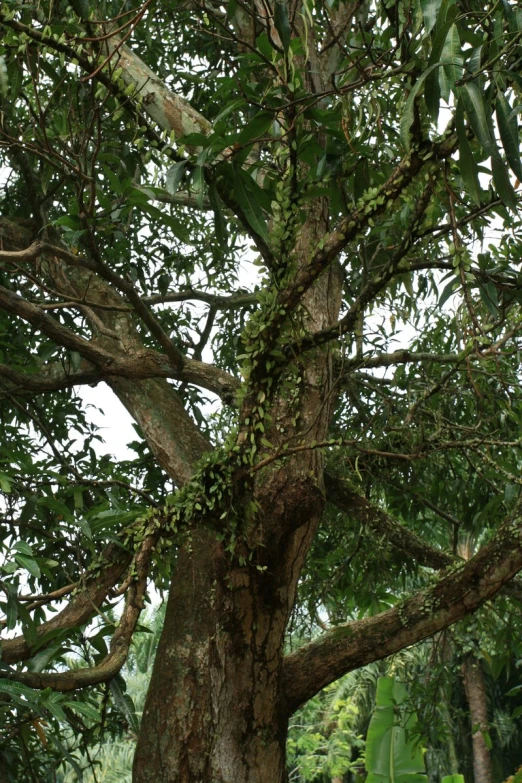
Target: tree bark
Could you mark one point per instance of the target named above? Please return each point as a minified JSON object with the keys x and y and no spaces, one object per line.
{"x":215,"y":709}
{"x":475,"y":688}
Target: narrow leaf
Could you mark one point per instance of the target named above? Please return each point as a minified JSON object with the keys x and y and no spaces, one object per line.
{"x":502,"y":182}
{"x":250,"y":207}
{"x":23,"y":548}
{"x":257,"y":127}
{"x":124,"y":704}
{"x":476,"y":112}
{"x":198,"y":183}
{"x":467,"y":163}
{"x":407,"y":117}
{"x":174,"y":175}
{"x":282,"y":23}
{"x":430,"y":10}
{"x":84,"y":709}
{"x":220,"y":225}
{"x":489,"y":295}
{"x":11,"y":612}
{"x":452,"y":57}
{"x":445,"y":20}
{"x":509,"y":134}
{"x":29,"y":564}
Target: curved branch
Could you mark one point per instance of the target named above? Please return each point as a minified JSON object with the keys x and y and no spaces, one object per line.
{"x":80,"y":609}
{"x":74,"y":678}
{"x":142,"y":365}
{"x":377,"y":521}
{"x":352,"y":645}
{"x":409,"y":543}
{"x":219,"y":301}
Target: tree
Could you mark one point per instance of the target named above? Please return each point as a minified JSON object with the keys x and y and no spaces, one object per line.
{"x":148,"y":152}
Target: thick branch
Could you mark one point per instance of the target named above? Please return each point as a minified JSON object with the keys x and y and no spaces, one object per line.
{"x":75,"y":678}
{"x":80,"y":609}
{"x":377,"y":521}
{"x":146,"y":364}
{"x":356,"y":644}
{"x":409,"y":543}
{"x":175,"y":440}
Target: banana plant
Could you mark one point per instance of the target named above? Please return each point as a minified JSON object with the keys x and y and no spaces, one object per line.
{"x":393,"y":751}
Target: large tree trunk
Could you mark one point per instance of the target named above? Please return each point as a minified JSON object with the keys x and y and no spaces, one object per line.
{"x":214,"y":710}
{"x":475,"y":688}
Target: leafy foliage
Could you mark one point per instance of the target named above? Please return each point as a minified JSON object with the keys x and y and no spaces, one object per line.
{"x":286,"y":235}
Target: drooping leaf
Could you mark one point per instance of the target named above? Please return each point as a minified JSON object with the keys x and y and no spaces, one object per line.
{"x":407,"y":117}
{"x":467,"y":163}
{"x":509,"y":134}
{"x":124,"y":703}
{"x":476,"y":112}
{"x":489,"y":295}
{"x":452,"y":58}
{"x":249,"y":204}
{"x":174,"y":175}
{"x":282,"y":23}
{"x":256,"y":127}
{"x":29,"y":564}
{"x":502,"y":182}
{"x":430,"y":10}
{"x":219,"y":220}
{"x":445,"y":20}
{"x":4,"y":78}
{"x":85,"y":709}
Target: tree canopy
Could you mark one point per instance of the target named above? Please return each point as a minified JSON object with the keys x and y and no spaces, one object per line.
{"x":287,"y":236}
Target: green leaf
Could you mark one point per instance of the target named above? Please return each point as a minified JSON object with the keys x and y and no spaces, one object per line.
{"x":407,"y":117}
{"x":282,"y":23}
{"x":198,"y":183}
{"x":445,"y":20}
{"x":113,"y":179}
{"x":489,"y":295}
{"x":18,"y":692}
{"x":237,"y":103}
{"x":5,"y":483}
{"x":75,"y":360}
{"x":476,"y":112}
{"x":453,"y":779}
{"x":467,"y":163}
{"x":81,"y":7}
{"x":251,"y":208}
{"x":124,"y":703}
{"x":452,"y":57}
{"x":56,"y":710}
{"x":502,"y":182}
{"x":220,"y":225}
{"x":11,"y":612}
{"x":391,"y":752}
{"x":509,"y":134}
{"x":4,"y":79}
{"x":430,"y":10}
{"x":257,"y":127}
{"x":23,"y":548}
{"x":29,"y":564}
{"x":174,"y":175}
{"x":84,"y":709}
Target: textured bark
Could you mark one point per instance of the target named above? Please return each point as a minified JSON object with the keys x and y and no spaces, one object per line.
{"x":475,"y":688}
{"x":215,"y":709}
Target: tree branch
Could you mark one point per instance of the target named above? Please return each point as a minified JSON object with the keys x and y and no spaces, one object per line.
{"x":352,"y":645}
{"x":142,"y":365}
{"x":81,"y":607}
{"x":378,"y":521}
